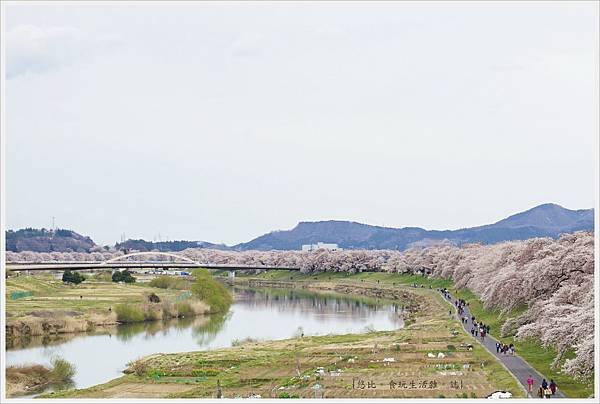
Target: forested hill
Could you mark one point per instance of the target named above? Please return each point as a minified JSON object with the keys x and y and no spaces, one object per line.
{"x":42,"y":240}
{"x":548,"y":220}
{"x":179,"y":245}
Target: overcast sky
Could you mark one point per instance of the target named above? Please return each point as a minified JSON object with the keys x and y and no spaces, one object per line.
{"x":221,"y":122}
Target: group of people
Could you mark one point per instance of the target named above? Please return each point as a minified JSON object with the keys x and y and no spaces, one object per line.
{"x":479,"y":329}
{"x":546,"y":390}
{"x":505,"y":349}
{"x":460,"y":306}
{"x":445,"y":292}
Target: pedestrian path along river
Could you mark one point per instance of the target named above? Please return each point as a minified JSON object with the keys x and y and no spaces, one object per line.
{"x":514,"y":363}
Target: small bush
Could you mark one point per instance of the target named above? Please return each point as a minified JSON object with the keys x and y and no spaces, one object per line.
{"x":169,"y":282}
{"x":213,"y":293}
{"x":451,"y":348}
{"x":153,"y":298}
{"x":61,"y":370}
{"x":72,"y":277}
{"x":123,"y":276}
{"x":138,"y":367}
{"x":127,"y":313}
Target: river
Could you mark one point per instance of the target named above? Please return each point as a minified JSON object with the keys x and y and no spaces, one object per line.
{"x":261,"y":314}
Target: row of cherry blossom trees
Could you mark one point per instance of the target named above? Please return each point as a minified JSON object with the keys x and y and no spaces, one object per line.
{"x":552,"y":278}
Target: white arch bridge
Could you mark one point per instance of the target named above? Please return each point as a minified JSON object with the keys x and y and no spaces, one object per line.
{"x":132,"y":261}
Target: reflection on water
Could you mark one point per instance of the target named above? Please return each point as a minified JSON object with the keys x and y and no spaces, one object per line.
{"x":325,"y":304}
{"x":256,"y":313}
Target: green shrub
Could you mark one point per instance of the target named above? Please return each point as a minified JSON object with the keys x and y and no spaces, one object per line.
{"x":61,"y":370}
{"x":213,"y":293}
{"x":127,"y":313}
{"x":72,"y":277}
{"x":123,"y":276}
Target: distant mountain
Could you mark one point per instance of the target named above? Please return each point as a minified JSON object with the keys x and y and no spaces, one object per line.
{"x":42,"y":240}
{"x":548,"y":220}
{"x":552,"y":217}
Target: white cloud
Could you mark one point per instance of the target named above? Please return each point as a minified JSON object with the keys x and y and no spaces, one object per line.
{"x":34,"y":49}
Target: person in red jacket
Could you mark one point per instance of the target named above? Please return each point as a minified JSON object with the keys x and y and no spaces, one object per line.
{"x":553,"y":386}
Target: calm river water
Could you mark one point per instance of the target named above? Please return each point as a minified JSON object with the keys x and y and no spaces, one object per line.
{"x":265,"y":314}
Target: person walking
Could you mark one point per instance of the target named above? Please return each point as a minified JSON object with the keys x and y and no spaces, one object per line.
{"x":544,"y":384}
{"x":553,"y":387}
{"x":530,"y":383}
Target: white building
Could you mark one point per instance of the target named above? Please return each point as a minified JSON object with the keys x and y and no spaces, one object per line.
{"x":319,"y":245}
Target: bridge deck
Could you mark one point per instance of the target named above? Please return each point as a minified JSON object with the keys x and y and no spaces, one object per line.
{"x":56,"y":266}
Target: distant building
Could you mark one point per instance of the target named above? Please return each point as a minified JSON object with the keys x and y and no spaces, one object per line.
{"x":319,"y":245}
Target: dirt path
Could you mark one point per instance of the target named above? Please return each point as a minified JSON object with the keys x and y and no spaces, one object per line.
{"x":514,"y":363}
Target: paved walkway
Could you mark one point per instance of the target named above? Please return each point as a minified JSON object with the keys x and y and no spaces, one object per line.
{"x":517,"y":366}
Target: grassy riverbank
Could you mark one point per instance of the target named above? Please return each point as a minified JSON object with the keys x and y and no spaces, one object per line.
{"x":531,"y":350}
{"x":403,"y":363}
{"x":47,"y":306}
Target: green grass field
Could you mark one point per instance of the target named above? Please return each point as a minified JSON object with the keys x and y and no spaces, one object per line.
{"x":51,"y":294}
{"x":530,"y":350}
